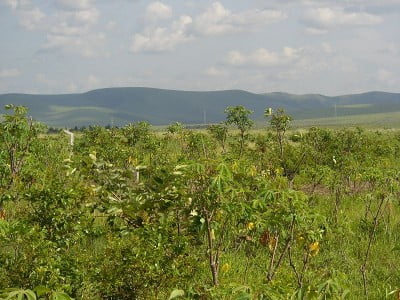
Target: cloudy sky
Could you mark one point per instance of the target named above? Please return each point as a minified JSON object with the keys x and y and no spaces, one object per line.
{"x":329,"y":47}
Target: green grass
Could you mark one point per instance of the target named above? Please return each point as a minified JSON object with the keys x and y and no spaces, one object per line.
{"x":65,"y":109}
{"x":378,"y":120}
{"x":79,"y":116}
{"x":365,"y":105}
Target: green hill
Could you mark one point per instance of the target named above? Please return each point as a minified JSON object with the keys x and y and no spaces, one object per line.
{"x":160,"y":107}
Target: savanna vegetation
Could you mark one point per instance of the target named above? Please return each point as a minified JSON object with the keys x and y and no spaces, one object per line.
{"x":227,"y":213}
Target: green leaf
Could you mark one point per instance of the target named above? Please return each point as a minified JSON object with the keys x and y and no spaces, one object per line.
{"x":178,"y":167}
{"x":244,"y":296}
{"x":60,"y":296}
{"x":176,"y":293}
{"x":30,"y":295}
{"x":19,"y":294}
{"x":4,"y":226}
{"x":158,"y":180}
{"x":114,"y":211}
{"x":41,"y":290}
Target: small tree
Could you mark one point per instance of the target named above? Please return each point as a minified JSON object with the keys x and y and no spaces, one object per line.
{"x":134,"y":132}
{"x":175,"y":128}
{"x":280,"y":123}
{"x":239,"y":116}
{"x":17,"y":133}
{"x":219,"y":132}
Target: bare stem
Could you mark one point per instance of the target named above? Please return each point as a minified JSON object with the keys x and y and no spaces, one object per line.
{"x":213,"y":259}
{"x":271,"y":274}
{"x":371,"y":237}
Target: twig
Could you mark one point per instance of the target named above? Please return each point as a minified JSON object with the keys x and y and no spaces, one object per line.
{"x":371,"y":237}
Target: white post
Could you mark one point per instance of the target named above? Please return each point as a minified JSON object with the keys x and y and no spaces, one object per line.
{"x":71,"y":136}
{"x":137,"y":176}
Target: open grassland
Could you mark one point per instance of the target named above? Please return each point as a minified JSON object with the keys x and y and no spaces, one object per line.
{"x":374,"y":120}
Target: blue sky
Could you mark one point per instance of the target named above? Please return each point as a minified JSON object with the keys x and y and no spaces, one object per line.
{"x":297,"y":46}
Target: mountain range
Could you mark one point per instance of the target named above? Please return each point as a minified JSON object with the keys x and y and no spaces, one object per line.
{"x":119,"y":106}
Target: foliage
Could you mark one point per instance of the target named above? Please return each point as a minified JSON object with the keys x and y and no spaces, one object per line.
{"x":280,"y":123}
{"x":17,"y":132}
{"x":135,"y":214}
{"x":219,"y":132}
{"x":136,"y":132}
{"x":240,"y":117}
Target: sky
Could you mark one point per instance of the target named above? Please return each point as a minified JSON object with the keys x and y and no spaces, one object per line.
{"x":329,"y":47}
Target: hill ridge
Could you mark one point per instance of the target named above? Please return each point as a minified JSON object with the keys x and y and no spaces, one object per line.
{"x":122,"y":105}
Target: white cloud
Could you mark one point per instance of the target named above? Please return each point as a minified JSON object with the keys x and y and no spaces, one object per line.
{"x":72,"y":12}
{"x":158,"y":11}
{"x":262,"y":57}
{"x":316,"y":31}
{"x":93,"y":82}
{"x":327,"y":48}
{"x":31,"y":18}
{"x":9,"y":73}
{"x":47,"y":82}
{"x":52,"y":85}
{"x":162,"y":39}
{"x":382,"y":6}
{"x":388,"y":78}
{"x":215,"y":20}
{"x":235,"y":58}
{"x":74,"y":4}
{"x":218,"y":20}
{"x":71,"y":87}
{"x":87,"y":45}
{"x":71,"y":29}
{"x":110,"y":25}
{"x":319,"y":20}
{"x":350,"y":2}
{"x":367,"y":57}
{"x":64,"y":29}
{"x":87,"y":16}
{"x":84,"y":17}
{"x":10,"y":3}
{"x":215,"y":72}
{"x":321,"y":64}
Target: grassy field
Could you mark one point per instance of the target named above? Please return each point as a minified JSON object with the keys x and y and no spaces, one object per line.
{"x":376,"y":120}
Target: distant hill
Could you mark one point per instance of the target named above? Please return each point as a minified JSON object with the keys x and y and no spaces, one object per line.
{"x":159,"y":107}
